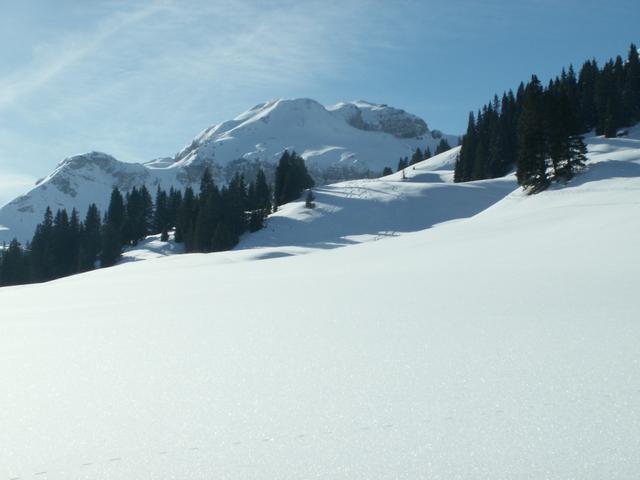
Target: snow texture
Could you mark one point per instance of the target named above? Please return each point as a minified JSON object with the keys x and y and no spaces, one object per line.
{"x":152,"y":247}
{"x":500,"y":345}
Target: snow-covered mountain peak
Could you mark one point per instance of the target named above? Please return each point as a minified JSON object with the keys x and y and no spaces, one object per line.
{"x":339,"y":142}
{"x":289,"y":113}
{"x":73,"y":171}
{"x":93,"y":160}
{"x":286,"y":111}
{"x":353,"y":134}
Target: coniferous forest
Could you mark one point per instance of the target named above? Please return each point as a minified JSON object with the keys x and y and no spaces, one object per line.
{"x":538,"y":130}
{"x":209,"y":220}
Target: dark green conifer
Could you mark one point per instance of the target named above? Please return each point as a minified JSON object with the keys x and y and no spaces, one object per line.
{"x":442,"y":146}
{"x":532,"y":165}
{"x":112,"y":231}
{"x":90,"y":241}
{"x":417,"y":156}
{"x":13,"y":265}
{"x":292,"y":178}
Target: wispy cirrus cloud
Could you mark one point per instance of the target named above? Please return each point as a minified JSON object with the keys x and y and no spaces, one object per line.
{"x":139,"y":79}
{"x":51,"y":60}
{"x":143,"y":77}
{"x":244,"y":42}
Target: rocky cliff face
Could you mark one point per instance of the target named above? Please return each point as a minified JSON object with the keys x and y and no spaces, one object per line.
{"x":381,"y":118}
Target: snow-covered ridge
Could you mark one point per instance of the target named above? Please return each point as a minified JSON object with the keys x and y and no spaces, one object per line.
{"x":364,"y":210}
{"x":76,"y":182}
{"x":346,"y":140}
{"x":72,"y":171}
{"x":342,"y":132}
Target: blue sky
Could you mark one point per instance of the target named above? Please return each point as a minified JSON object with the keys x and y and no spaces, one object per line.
{"x":139,"y":79}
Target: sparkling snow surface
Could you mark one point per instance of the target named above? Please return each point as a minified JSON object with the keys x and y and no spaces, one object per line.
{"x":505,"y":345}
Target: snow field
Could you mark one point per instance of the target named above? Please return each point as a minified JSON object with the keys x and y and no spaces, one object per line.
{"x":503,"y":345}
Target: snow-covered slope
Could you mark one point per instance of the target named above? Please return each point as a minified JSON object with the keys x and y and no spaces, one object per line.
{"x":504,"y":345}
{"x":343,"y":141}
{"x":369,"y":209}
{"x":152,"y":247}
{"x":363,"y":210}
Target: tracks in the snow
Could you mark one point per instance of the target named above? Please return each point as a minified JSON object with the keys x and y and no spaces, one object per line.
{"x":87,"y":465}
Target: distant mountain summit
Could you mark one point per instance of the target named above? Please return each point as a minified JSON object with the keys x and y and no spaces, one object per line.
{"x":356,"y":135}
{"x":346,"y":140}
